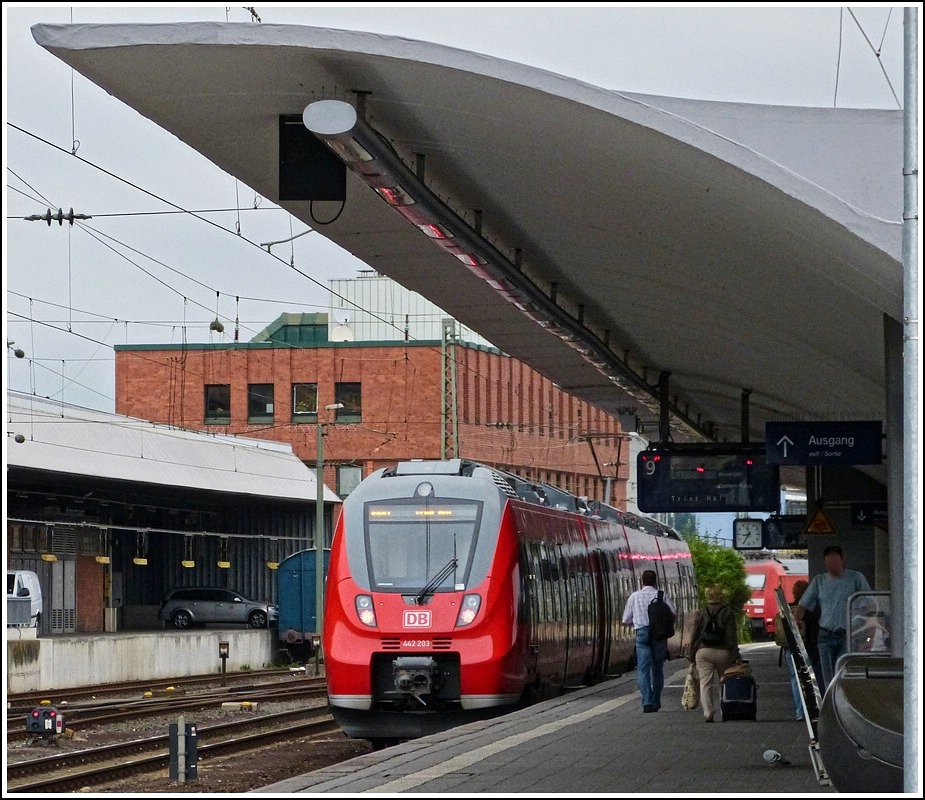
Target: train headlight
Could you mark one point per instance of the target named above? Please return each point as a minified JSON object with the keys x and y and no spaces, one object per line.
{"x":365,"y":611}
{"x":469,"y":610}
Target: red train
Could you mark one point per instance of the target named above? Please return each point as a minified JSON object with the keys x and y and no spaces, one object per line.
{"x":457,"y":592}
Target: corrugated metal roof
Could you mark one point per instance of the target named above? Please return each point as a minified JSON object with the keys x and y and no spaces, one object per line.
{"x":79,"y":441}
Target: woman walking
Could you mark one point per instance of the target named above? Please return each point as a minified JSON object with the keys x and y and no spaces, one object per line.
{"x":714,"y":648}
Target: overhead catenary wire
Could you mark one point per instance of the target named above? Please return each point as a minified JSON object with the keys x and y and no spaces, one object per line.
{"x":151,"y":194}
{"x":150,"y":213}
{"x":550,"y":427}
{"x":196,"y":216}
{"x":841,"y":17}
{"x":75,"y":144}
{"x":375,"y":315}
{"x":876,"y":52}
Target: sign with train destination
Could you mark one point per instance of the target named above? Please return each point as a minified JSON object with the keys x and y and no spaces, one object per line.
{"x":682,"y":478}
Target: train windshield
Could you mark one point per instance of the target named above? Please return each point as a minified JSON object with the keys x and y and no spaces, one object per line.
{"x":410,"y":542}
{"x":755,"y":580}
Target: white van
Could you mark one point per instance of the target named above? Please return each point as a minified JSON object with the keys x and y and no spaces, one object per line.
{"x":23,"y":583}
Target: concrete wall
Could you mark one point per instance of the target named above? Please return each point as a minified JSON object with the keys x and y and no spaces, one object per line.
{"x":89,"y":660}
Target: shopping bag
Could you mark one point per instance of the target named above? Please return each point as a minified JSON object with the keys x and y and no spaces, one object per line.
{"x":690,"y":697}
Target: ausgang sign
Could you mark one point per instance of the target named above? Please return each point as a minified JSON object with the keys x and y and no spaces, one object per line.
{"x":824,"y":442}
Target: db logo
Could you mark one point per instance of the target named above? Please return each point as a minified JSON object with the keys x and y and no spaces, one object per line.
{"x":417,"y":619}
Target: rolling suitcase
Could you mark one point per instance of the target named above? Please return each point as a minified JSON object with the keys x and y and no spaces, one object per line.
{"x":739,"y":698}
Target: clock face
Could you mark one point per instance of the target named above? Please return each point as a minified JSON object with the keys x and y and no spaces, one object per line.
{"x":748,"y":534}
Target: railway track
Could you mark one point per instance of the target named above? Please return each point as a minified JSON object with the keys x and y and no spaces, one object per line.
{"x":95,"y":766}
{"x":117,"y":710}
{"x":100,"y":691}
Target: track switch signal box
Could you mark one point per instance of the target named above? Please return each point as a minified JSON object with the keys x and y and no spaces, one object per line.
{"x":182,"y":752}
{"x":45,"y":721}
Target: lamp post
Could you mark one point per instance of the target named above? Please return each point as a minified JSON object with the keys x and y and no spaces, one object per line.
{"x":319,"y":523}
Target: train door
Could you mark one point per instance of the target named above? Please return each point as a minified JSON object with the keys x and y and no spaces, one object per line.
{"x":530,"y":596}
{"x":583,"y":649}
{"x":551,"y":656}
{"x":604,"y":609}
{"x":684,"y":594}
{"x":568,"y":629}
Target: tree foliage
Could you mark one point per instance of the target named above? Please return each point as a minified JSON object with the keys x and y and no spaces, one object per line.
{"x":719,"y":565}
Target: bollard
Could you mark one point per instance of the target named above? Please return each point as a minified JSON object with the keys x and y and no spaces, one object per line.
{"x":223,"y":655}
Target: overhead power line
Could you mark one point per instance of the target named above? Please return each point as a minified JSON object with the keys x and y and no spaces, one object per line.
{"x":60,"y":217}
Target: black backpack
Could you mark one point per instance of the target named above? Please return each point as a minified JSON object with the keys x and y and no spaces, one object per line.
{"x":661,"y":619}
{"x":712,"y":633}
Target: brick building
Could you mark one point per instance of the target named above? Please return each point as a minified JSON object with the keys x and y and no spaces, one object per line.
{"x":402,"y":398}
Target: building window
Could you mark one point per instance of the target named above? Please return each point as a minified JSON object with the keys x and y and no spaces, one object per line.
{"x":90,"y":542}
{"x":305,"y":402}
{"x":260,"y":402}
{"x":43,"y":539}
{"x":348,"y":478}
{"x":218,"y":404}
{"x":15,"y":534}
{"x":349,"y":395}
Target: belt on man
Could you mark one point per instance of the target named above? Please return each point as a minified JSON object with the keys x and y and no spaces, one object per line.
{"x":839,"y":631}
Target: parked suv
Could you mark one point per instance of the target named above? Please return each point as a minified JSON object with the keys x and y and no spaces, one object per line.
{"x":199,"y":605}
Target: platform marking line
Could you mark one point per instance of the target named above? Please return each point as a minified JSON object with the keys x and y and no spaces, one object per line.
{"x":468,"y":759}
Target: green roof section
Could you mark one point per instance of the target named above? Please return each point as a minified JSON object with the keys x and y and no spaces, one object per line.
{"x":298,"y":329}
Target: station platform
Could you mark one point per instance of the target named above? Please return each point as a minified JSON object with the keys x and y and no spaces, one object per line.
{"x":597,"y":740}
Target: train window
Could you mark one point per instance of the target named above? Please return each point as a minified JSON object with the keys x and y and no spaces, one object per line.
{"x":536,"y":578}
{"x":755,"y":580}
{"x":410,"y":544}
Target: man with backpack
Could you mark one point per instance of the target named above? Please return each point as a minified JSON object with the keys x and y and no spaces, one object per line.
{"x":651,"y":647}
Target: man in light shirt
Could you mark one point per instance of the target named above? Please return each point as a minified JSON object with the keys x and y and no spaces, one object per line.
{"x":650,"y":655}
{"x":831,"y":590}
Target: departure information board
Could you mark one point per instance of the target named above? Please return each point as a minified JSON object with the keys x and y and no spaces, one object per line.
{"x":690,"y":480}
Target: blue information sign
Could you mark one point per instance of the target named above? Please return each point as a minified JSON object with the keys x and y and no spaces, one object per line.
{"x":824,"y":442}
{"x":869,"y":513}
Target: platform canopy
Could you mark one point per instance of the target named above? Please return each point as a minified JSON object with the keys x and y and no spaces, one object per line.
{"x":746,"y":256}
{"x":55,"y":438}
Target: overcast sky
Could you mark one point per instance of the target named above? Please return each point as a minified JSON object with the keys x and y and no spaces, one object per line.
{"x":136,"y":274}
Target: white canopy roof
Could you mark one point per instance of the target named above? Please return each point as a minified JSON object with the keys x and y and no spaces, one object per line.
{"x":78,"y":441}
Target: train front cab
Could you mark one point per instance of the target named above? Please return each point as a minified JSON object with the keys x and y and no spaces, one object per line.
{"x":407,"y":656}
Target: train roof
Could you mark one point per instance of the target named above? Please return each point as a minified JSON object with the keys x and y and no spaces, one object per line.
{"x":543,"y":494}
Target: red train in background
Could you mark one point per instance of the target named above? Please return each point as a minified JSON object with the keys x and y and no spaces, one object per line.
{"x":456,"y":592}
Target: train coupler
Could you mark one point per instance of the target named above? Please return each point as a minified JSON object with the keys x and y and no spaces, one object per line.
{"x":415,"y":675}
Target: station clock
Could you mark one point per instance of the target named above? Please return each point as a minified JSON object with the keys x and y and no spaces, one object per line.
{"x":747,"y":534}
